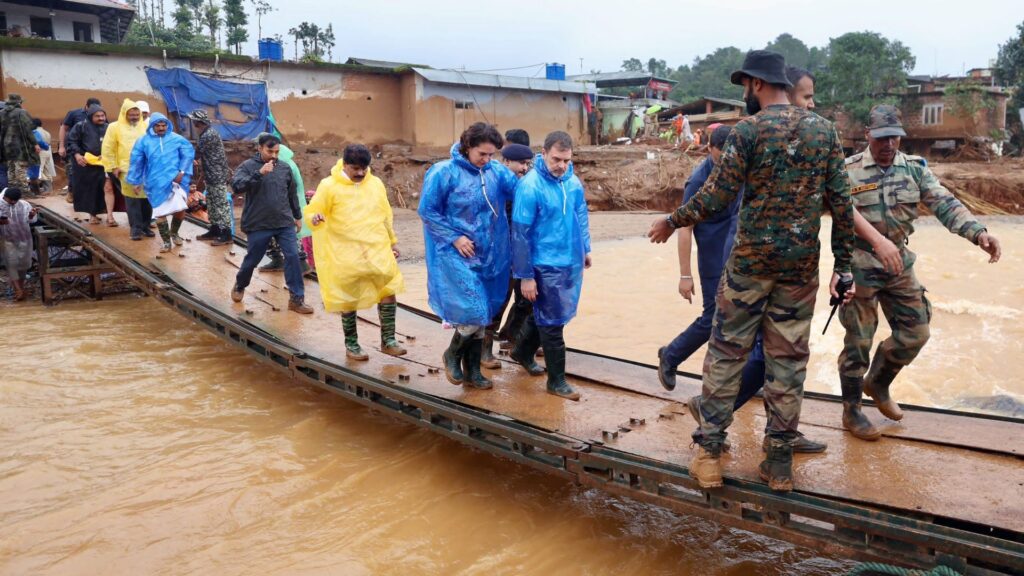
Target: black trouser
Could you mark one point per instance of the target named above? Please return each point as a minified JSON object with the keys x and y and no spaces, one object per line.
{"x":551,"y":337}
{"x":521,"y":310}
{"x":140,"y":213}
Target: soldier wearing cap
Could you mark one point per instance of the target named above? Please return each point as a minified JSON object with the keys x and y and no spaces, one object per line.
{"x":210,"y":155}
{"x":790,"y":162}
{"x":887,"y":186}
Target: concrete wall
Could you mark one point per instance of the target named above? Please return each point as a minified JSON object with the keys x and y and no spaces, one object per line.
{"x":18,"y":15}
{"x":443,"y":111}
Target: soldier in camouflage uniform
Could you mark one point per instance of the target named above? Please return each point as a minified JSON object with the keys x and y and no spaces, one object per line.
{"x":887,"y":186}
{"x":210,"y":154}
{"x":18,"y":143}
{"x":791,"y":162}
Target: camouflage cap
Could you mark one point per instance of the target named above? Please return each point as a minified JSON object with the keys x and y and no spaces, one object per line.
{"x":886,"y":120}
{"x":200,"y":115}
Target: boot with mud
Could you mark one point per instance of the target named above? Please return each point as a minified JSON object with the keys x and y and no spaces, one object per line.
{"x":452,"y":359}
{"x":388,"y":343}
{"x":854,"y":418}
{"x":777,"y":468}
{"x":223,"y":238}
{"x":554,"y":357}
{"x":801,"y":445}
{"x":471,"y":365}
{"x":525,"y":350}
{"x":487,"y":359}
{"x":877,"y":382}
{"x":210,"y":234}
{"x":353,"y":350}
{"x":706,"y":466}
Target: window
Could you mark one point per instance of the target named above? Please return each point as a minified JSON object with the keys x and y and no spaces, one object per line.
{"x":463,"y":105}
{"x":41,"y":27}
{"x":931,"y":114}
{"x":83,"y":31}
{"x":3,"y":22}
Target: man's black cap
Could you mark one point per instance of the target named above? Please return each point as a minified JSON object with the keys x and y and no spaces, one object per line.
{"x":763,"y":65}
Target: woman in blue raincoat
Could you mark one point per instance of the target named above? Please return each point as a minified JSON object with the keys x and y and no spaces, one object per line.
{"x":466,"y":233}
{"x":159,"y":160}
{"x":550,"y":248}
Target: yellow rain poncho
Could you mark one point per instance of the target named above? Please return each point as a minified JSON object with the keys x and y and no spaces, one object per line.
{"x":117,"y":147}
{"x":352,"y":246}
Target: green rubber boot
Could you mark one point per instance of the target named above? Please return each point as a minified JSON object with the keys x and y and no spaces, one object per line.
{"x":352,"y":348}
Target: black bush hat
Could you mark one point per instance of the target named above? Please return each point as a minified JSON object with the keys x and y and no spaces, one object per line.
{"x":763,"y":65}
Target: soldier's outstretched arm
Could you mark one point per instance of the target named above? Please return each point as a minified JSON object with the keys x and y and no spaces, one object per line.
{"x":953,"y":214}
{"x":725,"y":181}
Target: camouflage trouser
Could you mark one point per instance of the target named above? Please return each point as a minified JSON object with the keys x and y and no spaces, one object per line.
{"x":275,"y":253}
{"x":17,"y":176}
{"x":783,"y":312}
{"x":906,"y":309}
{"x":217,"y":207}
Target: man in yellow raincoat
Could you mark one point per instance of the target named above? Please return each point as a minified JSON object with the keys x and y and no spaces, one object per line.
{"x":117,"y":151}
{"x":355,"y":248}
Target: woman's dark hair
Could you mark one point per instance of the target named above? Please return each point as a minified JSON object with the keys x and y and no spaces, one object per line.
{"x":36,"y":122}
{"x":356,"y":155}
{"x":795,"y":75}
{"x":477,"y":134}
{"x":267,"y":139}
{"x":13,"y":194}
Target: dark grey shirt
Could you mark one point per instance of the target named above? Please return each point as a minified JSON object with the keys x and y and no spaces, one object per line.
{"x":270,"y":201}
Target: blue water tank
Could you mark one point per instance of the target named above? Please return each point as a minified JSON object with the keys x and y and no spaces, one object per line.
{"x":271,"y":49}
{"x":556,"y":71}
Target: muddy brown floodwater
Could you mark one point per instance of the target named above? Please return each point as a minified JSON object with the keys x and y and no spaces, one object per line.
{"x":133,"y":442}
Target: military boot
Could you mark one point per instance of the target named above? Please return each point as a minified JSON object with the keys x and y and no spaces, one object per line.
{"x":554,"y":357}
{"x":276,"y":263}
{"x":525,"y":350}
{"x":777,"y":468}
{"x":487,"y":359}
{"x":452,"y":359}
{"x":471,"y":365}
{"x":693,"y":405}
{"x":876,"y":385}
{"x":210,"y":234}
{"x":706,"y":466}
{"x":854,"y":418}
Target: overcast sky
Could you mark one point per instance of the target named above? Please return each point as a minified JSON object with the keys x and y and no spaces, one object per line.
{"x":945,"y":37}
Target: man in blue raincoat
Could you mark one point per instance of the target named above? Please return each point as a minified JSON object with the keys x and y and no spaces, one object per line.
{"x":159,"y":160}
{"x":466,"y":239}
{"x":550,"y":249}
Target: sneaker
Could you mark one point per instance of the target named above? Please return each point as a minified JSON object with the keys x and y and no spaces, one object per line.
{"x":299,"y":306}
{"x":666,"y":373}
{"x":237,"y":293}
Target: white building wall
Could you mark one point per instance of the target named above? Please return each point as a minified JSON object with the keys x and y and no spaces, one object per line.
{"x":63,"y":29}
{"x":70,"y":71}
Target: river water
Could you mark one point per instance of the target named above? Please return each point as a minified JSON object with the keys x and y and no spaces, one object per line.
{"x":135,"y":443}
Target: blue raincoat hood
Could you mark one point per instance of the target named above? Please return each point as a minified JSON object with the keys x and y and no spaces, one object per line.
{"x":156,"y":161}
{"x":542,"y":168}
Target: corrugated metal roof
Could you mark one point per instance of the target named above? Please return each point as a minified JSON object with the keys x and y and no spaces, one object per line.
{"x":494,"y":81}
{"x":620,"y":78}
{"x":104,"y":4}
{"x":379,"y":63}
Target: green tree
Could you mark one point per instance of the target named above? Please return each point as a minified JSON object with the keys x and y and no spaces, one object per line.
{"x":151,"y":31}
{"x":792,"y":49}
{"x":262,"y":8}
{"x":1010,"y":73}
{"x":211,"y":18}
{"x":327,"y":41}
{"x":633,"y":65}
{"x":864,"y":69}
{"x":709,"y":76}
{"x":235,"y":21}
{"x":657,"y":68}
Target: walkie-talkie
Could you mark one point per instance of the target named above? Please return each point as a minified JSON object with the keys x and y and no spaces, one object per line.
{"x":842,"y":287}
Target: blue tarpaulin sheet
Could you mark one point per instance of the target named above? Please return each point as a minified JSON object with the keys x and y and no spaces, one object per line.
{"x":184,"y":91}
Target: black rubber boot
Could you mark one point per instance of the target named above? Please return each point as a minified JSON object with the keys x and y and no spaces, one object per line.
{"x":276,"y":263}
{"x":210,"y":235}
{"x":526,"y":346}
{"x":223,"y":238}
{"x":471,"y":365}
{"x":876,"y":385}
{"x":777,"y":468}
{"x":854,"y":419}
{"x":452,"y":359}
{"x":487,"y":359}
{"x":554,"y":357}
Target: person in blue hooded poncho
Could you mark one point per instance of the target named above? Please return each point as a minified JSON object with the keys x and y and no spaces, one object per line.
{"x":550,"y":249}
{"x":159,"y":160}
{"x":466,"y":236}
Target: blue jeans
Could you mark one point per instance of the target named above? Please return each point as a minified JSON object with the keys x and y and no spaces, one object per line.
{"x":699,"y":332}
{"x":258,"y":240}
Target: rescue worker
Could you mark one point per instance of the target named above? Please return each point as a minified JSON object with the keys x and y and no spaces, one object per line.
{"x":19,"y":143}
{"x":790,"y":163}
{"x":356,"y":249}
{"x":887,"y":186}
{"x":210,"y":156}
{"x":466,"y":238}
{"x":117,"y":152}
{"x":551,"y":248}
{"x":161,"y":162}
{"x":274,"y":252}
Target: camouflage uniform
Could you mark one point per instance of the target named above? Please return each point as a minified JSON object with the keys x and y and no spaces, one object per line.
{"x":889,"y":201}
{"x":210,"y":151}
{"x":18,"y":143}
{"x":791,"y":162}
